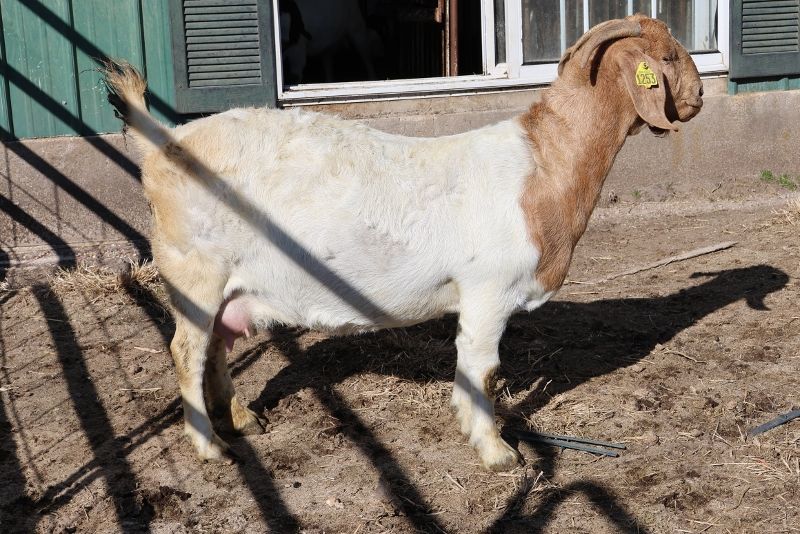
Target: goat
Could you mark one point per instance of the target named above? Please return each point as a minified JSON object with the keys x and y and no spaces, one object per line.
{"x":271,"y":216}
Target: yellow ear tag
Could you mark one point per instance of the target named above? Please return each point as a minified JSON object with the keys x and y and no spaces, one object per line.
{"x":645,"y":77}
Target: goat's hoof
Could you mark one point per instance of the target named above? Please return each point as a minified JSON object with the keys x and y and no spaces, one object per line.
{"x":251,"y":427}
{"x":245,"y":420}
{"x":499,"y":456}
{"x":217,"y":451}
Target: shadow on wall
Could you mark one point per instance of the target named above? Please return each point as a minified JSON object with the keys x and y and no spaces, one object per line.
{"x":62,"y":184}
{"x":50,"y":170}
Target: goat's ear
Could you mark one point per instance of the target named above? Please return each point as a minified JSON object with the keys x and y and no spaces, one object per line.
{"x":584,"y":47}
{"x":638,"y":71}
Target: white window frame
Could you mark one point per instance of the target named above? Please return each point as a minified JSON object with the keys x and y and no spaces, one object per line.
{"x":512,"y":73}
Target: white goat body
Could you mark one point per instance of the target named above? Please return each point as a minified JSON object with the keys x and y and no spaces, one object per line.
{"x":264,"y":217}
{"x":404,"y":240}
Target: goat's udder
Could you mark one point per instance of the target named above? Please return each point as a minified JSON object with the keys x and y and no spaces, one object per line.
{"x":232,"y":321}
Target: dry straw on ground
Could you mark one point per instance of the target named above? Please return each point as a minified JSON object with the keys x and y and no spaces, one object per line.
{"x":102,"y":280}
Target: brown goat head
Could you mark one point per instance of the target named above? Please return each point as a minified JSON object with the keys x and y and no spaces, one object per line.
{"x":616,"y":50}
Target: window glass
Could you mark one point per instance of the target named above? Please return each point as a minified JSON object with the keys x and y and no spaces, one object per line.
{"x":329,"y":41}
{"x":550,"y":26}
{"x":500,"y":31}
{"x":603,"y":10}
{"x":693,"y":22}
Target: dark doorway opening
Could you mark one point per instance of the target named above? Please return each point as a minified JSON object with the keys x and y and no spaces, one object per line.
{"x":328,"y":41}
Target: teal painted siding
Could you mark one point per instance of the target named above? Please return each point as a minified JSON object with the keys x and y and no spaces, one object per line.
{"x":754,"y":86}
{"x":158,"y":58}
{"x":40,"y":69}
{"x":50,"y":85}
{"x":114,"y":28}
{"x":5,"y":121}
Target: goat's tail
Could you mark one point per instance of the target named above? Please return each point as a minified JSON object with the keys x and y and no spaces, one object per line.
{"x":126,"y":89}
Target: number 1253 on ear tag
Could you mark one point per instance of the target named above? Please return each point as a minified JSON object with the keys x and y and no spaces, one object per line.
{"x":645,"y":77}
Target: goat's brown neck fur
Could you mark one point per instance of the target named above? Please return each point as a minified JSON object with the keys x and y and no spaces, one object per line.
{"x":575,"y":134}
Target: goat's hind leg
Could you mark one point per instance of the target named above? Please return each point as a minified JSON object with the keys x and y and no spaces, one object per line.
{"x":189,"y":348}
{"x":196,"y":294}
{"x":224,"y":406}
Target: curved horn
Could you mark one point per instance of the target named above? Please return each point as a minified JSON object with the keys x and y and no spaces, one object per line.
{"x":589,"y":41}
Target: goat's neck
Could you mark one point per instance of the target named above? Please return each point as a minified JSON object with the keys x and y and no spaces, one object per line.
{"x":581,"y":129}
{"x":575,"y":134}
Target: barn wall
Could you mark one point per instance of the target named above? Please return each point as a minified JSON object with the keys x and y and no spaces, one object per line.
{"x":49,"y":85}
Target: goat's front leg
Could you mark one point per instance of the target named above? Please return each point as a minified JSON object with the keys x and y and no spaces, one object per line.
{"x":481,"y":325}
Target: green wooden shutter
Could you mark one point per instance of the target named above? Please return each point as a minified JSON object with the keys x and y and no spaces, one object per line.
{"x":224,"y":54}
{"x":765,"y":40}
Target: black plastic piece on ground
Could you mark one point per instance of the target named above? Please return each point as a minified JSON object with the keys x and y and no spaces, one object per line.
{"x":785,"y":418}
{"x":570,"y":442}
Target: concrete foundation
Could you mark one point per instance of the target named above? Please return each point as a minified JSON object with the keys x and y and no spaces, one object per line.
{"x":78,"y":200}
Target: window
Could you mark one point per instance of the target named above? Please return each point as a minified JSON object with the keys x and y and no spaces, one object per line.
{"x":550,"y":26}
{"x":411,"y":47}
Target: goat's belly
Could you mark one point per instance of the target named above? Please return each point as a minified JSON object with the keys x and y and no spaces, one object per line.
{"x":340,"y":309}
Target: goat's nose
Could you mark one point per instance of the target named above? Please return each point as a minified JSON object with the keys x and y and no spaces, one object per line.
{"x":701,"y":89}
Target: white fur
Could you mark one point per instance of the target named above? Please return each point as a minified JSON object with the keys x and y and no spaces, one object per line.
{"x":410,"y":241}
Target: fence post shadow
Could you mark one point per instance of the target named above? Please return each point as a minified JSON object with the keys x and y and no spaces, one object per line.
{"x":259,"y":481}
{"x":94,"y":421}
{"x":65,"y":253}
{"x":401,"y":489}
{"x":603,"y":500}
{"x":14,"y":485}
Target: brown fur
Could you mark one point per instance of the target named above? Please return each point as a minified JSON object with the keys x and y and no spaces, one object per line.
{"x":490,"y":384}
{"x":579,"y":127}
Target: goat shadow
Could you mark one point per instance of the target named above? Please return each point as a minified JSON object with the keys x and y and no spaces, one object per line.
{"x":620,"y":331}
{"x":586,"y":340}
{"x":583,"y":341}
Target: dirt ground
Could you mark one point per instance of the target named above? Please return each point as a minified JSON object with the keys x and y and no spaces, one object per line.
{"x":677,"y":362}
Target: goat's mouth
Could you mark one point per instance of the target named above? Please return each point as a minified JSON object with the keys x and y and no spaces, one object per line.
{"x":690,"y":109}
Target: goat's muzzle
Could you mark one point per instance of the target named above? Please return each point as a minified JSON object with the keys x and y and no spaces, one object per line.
{"x":692,"y":107}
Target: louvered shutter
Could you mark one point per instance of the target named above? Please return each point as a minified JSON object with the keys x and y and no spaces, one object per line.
{"x":224,"y":54}
{"x":765,"y":40}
